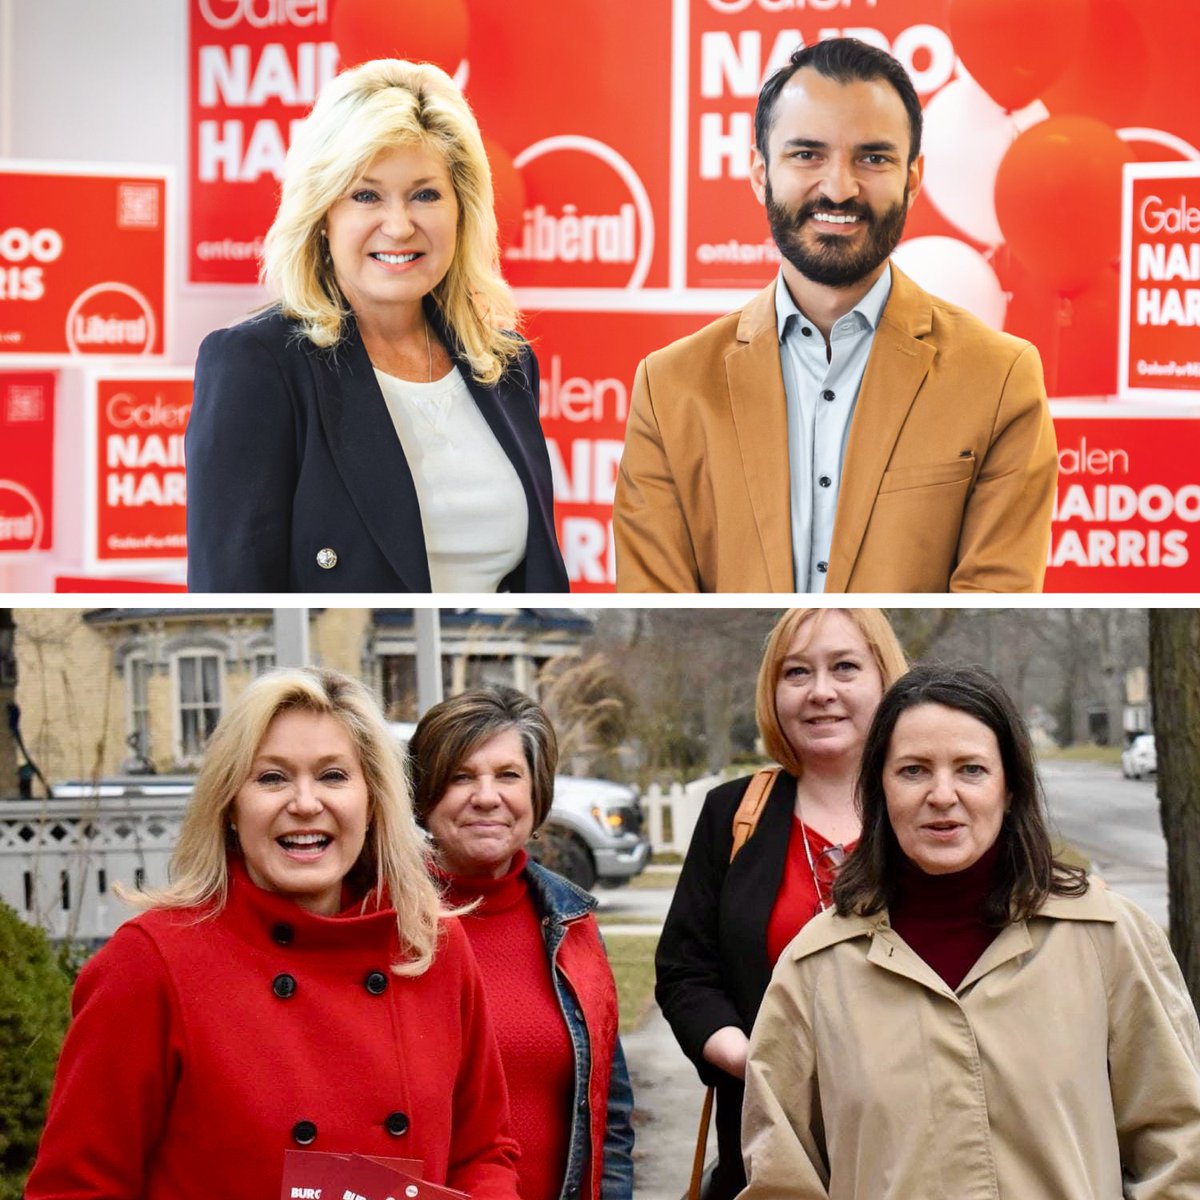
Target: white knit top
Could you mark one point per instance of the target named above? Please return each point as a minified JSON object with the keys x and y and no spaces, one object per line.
{"x":473,"y":507}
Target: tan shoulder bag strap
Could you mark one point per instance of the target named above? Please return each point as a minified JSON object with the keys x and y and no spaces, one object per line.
{"x":745,"y":821}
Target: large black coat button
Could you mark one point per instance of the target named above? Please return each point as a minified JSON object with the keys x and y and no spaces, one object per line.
{"x":396,"y":1124}
{"x":282,"y":934}
{"x":284,"y":986}
{"x":376,"y":983}
{"x":304,"y":1133}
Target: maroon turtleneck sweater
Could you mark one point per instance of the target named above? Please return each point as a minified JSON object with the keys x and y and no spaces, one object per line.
{"x":940,"y":916}
{"x":539,"y":1060}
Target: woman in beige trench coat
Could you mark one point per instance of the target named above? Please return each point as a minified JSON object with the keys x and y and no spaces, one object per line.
{"x":974,"y":1020}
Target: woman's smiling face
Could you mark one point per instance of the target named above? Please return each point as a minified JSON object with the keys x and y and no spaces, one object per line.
{"x":829,"y":687}
{"x":301,"y":817}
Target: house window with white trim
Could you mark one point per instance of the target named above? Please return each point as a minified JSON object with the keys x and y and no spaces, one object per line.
{"x":139,"y":670}
{"x":198,"y":700}
{"x":262,"y":662}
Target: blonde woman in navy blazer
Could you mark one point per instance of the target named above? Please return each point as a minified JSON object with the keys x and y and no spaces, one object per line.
{"x":382,"y":416}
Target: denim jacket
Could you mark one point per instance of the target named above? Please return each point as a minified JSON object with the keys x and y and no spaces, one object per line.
{"x":560,"y":904}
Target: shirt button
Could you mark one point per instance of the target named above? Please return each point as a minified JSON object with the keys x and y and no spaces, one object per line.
{"x":825,"y":395}
{"x":376,"y":983}
{"x":804,"y":329}
{"x":822,"y":567}
{"x":396,"y":1124}
{"x":282,"y":934}
{"x":825,"y":481}
{"x":284,"y":986}
{"x":327,"y":558}
{"x":304,"y":1133}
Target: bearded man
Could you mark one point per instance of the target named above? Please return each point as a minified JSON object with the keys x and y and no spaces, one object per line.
{"x":845,"y":431}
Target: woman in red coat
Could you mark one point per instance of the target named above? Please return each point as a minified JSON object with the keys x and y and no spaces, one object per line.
{"x":294,"y":987}
{"x":483,"y":780}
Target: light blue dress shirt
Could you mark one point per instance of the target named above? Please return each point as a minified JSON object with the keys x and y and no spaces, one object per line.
{"x":822,"y":390}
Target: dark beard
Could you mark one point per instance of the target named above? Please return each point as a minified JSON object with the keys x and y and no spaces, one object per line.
{"x":831,"y":263}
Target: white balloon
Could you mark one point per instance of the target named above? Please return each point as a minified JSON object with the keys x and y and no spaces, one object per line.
{"x":966,"y":135}
{"x":954,"y":271}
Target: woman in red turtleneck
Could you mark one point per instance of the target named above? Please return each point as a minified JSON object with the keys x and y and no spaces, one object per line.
{"x":482,"y":767}
{"x":974,"y":1019}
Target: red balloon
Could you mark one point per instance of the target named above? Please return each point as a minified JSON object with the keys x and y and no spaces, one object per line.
{"x":414,"y":29}
{"x":1014,"y":48}
{"x":1110,"y":75}
{"x":509,"y":186}
{"x":1058,"y":200}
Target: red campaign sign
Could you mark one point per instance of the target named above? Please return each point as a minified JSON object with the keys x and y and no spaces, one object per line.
{"x":733,"y":46}
{"x":138,"y":493}
{"x":26,"y":461}
{"x":587,"y":363}
{"x":577,"y":149}
{"x":1160,"y":280}
{"x":1127,"y":514}
{"x":82,"y":261}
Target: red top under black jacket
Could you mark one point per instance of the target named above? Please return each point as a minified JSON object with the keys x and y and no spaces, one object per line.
{"x":201,"y":1050}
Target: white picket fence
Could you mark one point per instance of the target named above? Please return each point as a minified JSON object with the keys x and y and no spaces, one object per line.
{"x":672,"y":812}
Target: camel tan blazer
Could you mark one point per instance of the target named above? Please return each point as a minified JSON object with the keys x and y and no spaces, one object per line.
{"x":949,"y":476}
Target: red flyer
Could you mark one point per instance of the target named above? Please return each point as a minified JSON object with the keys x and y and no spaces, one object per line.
{"x":320,"y":1175}
{"x":1160,"y":281}
{"x":83,"y":260}
{"x":137,"y":493}
{"x":26,"y":461}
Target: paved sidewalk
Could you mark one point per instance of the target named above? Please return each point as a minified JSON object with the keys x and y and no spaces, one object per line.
{"x":667,"y":1097}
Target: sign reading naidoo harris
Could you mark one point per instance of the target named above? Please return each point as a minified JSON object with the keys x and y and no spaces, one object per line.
{"x":83,"y":261}
{"x":588,"y":361}
{"x":137,"y":486}
{"x":26,"y":461}
{"x":1127,"y":513}
{"x":1160,"y":281}
{"x":576,"y":148}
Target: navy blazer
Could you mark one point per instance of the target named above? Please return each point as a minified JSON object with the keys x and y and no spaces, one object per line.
{"x":291,"y":451}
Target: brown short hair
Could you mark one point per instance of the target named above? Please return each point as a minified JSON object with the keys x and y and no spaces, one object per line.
{"x":450,"y":732}
{"x":877,"y":632}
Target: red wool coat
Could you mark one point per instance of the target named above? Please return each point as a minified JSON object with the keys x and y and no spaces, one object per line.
{"x":200,"y":1050}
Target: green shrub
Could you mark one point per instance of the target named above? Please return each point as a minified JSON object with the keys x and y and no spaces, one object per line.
{"x":34,"y":1010}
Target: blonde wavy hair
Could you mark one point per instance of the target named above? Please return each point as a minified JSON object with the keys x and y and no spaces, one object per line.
{"x":395,"y":856}
{"x":877,"y":632}
{"x":380,"y":106}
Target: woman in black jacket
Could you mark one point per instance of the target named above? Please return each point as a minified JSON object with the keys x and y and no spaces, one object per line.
{"x":377,"y":430}
{"x":822,"y":675}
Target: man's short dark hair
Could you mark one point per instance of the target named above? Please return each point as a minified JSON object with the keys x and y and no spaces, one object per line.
{"x":843,"y":60}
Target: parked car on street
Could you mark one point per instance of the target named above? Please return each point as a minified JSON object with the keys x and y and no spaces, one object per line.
{"x":1139,"y":759}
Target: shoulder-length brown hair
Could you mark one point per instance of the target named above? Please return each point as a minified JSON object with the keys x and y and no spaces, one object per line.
{"x":450,"y":732}
{"x":1026,"y":872}
{"x":877,"y":632}
{"x":394,"y":859}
